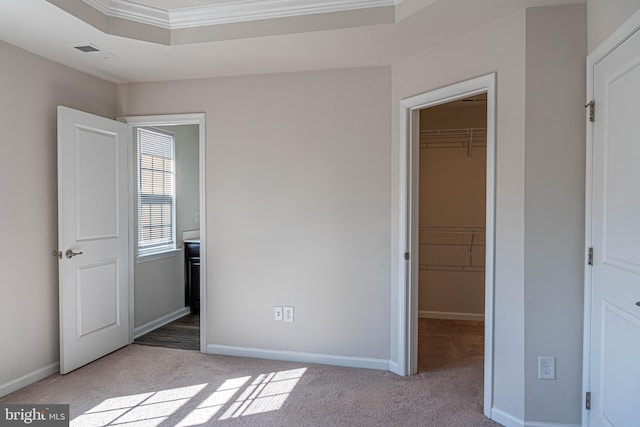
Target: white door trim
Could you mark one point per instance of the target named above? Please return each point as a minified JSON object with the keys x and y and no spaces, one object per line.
{"x":621,"y":34}
{"x":407,"y":309}
{"x":180,"y":119}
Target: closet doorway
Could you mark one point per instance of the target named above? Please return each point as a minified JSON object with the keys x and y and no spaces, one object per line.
{"x":452,"y":233}
{"x":408,"y":237}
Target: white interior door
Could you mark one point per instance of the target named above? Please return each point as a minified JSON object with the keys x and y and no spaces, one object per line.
{"x":93,"y":212}
{"x":614,"y":370}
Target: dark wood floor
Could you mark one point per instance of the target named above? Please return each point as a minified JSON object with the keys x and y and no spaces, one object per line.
{"x":443,"y":343}
{"x":183,"y":334}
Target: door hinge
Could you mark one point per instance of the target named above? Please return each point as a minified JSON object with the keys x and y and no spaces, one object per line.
{"x":56,"y":253}
{"x":587,"y":401}
{"x":590,"y":256}
{"x":592,"y":110}
{"x":406,"y":256}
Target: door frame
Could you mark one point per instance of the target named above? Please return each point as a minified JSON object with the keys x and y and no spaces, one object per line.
{"x":173,"y":120}
{"x":407,"y":239}
{"x":621,"y":34}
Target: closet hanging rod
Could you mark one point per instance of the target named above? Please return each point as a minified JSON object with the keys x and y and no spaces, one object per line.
{"x":454,"y":131}
{"x":453,"y":229}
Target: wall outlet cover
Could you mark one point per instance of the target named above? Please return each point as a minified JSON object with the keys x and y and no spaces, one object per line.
{"x":277,"y":313}
{"x":288,"y":314}
{"x":546,"y":367}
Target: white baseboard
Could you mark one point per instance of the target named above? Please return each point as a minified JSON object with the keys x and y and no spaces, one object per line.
{"x":155,"y":324}
{"x":295,"y":356}
{"x":450,"y":315}
{"x":394,"y":367}
{"x":505,"y":418}
{"x":509,"y":420}
{"x":28,"y":379}
{"x":548,"y":424}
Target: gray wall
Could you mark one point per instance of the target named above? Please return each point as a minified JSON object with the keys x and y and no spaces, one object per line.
{"x":539,"y":195}
{"x":497,"y":47}
{"x":297,"y":206}
{"x":538,"y":55}
{"x":554,"y":209}
{"x":187,"y":178}
{"x":31,"y":88}
{"x":604,"y":16}
{"x":159,"y":284}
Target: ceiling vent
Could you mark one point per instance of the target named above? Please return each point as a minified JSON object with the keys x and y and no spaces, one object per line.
{"x":87,"y":48}
{"x":92,"y":49}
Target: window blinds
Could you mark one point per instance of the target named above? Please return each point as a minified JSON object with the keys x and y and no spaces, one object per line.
{"x":156,"y":189}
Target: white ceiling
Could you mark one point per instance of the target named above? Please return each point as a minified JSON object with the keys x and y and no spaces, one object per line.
{"x":46,"y":30}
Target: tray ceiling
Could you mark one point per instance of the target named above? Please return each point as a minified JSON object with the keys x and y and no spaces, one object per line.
{"x":76,"y":34}
{"x":174,"y":14}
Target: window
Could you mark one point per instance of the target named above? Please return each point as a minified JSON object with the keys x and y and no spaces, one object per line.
{"x":156,"y":191}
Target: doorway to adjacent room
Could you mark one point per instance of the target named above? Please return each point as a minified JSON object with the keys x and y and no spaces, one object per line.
{"x":170,"y":296}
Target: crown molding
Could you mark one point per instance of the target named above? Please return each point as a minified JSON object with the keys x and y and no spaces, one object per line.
{"x":227,"y":12}
{"x":132,"y":11}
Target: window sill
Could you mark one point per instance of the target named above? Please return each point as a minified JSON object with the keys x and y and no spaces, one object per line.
{"x":155,"y":256}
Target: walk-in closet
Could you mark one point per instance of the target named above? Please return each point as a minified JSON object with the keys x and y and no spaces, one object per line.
{"x":452,"y":202}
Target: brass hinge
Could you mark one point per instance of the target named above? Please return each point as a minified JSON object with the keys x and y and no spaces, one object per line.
{"x":592,"y":110}
{"x":590,"y":256}
{"x":406,"y":256}
{"x":587,"y":401}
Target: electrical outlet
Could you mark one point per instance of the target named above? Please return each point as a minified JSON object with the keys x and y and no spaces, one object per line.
{"x":546,"y":368}
{"x":288,"y":314}
{"x":277,"y":313}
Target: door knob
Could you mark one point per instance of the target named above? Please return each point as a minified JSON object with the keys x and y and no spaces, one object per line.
{"x":70,"y":254}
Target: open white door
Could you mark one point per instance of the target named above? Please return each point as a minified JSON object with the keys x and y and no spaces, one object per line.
{"x":93,"y":215}
{"x":614,"y":349}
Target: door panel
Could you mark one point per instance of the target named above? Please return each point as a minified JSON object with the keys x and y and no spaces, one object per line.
{"x":622,"y":153}
{"x":615,"y":318}
{"x":97,"y":184}
{"x":93,"y":212}
{"x":97,"y":297}
{"x":620,"y":368}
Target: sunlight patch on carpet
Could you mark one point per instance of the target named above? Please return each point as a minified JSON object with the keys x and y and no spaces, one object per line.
{"x":212,"y":404}
{"x":267,"y":392}
{"x":149,"y":409}
{"x":239,"y":396}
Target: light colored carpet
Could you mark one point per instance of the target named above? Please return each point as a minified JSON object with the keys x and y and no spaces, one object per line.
{"x":151,"y":386}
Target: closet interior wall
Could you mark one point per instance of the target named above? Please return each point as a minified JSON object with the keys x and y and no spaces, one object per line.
{"x":452,"y":209}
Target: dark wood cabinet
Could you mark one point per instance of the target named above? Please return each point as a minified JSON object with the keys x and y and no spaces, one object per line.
{"x":192,"y":275}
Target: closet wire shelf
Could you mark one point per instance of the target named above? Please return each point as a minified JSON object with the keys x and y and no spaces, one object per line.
{"x":454,"y":138}
{"x":452,"y":248}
